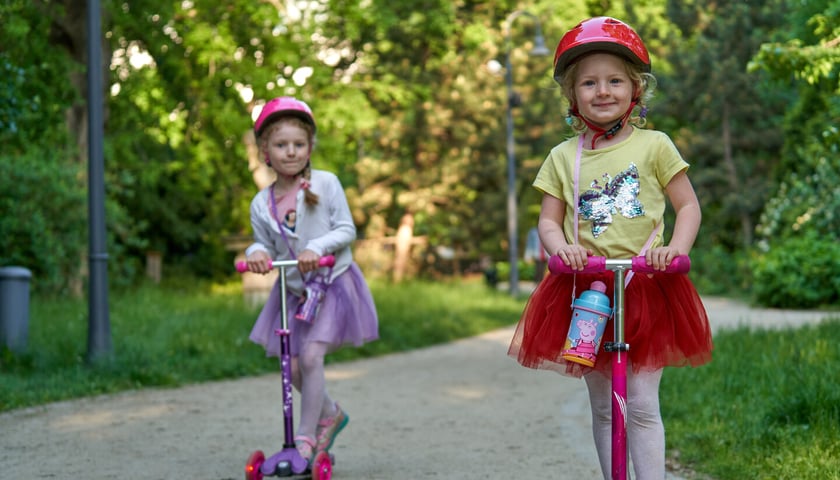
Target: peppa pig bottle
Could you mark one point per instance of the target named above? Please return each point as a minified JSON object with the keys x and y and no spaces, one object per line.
{"x":589,"y":319}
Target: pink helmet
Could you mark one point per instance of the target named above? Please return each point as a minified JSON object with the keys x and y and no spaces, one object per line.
{"x":603,"y":34}
{"x":281,"y":106}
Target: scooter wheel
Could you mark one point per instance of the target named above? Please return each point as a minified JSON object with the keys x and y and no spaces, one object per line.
{"x":322,"y":466}
{"x":252,"y":468}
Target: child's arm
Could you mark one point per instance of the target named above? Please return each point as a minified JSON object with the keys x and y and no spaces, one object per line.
{"x":334,"y":209}
{"x":341,"y":232}
{"x":681,"y":195}
{"x":552,"y":214}
{"x":257,"y":254}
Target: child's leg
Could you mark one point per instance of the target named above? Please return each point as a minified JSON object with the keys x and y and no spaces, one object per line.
{"x":330,"y":408}
{"x":600,"y":402}
{"x":310,"y":382}
{"x":645,"y":431}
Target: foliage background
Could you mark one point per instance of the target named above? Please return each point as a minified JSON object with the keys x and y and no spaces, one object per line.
{"x":412,"y":120}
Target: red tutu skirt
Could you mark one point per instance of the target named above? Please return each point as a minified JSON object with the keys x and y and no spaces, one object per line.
{"x":665,"y":324}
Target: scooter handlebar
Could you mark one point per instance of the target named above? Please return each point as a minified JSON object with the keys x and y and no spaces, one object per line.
{"x":593,"y":265}
{"x":325,"y":261}
{"x":680,"y":264}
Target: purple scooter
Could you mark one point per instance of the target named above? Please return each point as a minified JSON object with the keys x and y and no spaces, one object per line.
{"x":287,"y":462}
{"x":680,"y":264}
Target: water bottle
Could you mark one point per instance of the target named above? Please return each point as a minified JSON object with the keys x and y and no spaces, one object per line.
{"x":589,"y":319}
{"x":313,"y":295}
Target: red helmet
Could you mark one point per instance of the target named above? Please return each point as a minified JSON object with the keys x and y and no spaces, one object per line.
{"x":603,"y":34}
{"x":284,"y":106}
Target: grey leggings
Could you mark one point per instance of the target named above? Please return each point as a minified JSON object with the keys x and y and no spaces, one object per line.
{"x":645,"y":431}
{"x":308,"y":379}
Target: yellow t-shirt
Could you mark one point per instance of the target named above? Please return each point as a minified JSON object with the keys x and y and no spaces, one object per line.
{"x":622,"y":190}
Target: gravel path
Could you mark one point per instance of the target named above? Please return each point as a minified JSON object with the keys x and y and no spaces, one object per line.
{"x":455,"y":411}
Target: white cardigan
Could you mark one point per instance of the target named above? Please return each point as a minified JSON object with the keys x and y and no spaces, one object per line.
{"x":325,"y":228}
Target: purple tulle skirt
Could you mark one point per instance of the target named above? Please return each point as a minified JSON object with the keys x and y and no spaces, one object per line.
{"x":347,"y":316}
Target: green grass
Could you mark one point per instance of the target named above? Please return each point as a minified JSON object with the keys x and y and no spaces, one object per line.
{"x":186,"y":332}
{"x":766,"y":407}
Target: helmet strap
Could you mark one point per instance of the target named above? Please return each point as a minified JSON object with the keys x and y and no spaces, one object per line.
{"x":607,"y":133}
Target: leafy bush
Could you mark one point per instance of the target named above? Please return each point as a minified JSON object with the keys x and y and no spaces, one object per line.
{"x":798,"y":273}
{"x":799,"y":231}
{"x":807,"y":201}
{"x":44,"y":216}
{"x":34,"y":90}
{"x":718,"y":271}
{"x":526,"y":271}
{"x":44,"y":226}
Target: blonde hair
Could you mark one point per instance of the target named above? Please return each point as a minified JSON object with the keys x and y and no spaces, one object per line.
{"x":309,"y":197}
{"x":645,"y":84}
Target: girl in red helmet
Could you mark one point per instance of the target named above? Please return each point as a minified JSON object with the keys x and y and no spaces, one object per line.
{"x":304,"y":215}
{"x":604,"y":193}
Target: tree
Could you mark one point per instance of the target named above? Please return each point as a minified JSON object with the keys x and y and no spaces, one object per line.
{"x":807,"y":196}
{"x":728,"y":125}
{"x":436,"y":151}
{"x":42,"y":188}
{"x":796,"y":262}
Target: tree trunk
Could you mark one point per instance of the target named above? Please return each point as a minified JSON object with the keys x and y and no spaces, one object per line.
{"x":402,"y":250}
{"x":69,"y":32}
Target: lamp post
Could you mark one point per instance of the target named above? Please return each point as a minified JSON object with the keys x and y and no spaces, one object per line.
{"x":513,"y":101}
{"x":99,"y":326}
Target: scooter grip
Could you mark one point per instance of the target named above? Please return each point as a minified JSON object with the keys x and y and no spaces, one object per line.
{"x":242,"y":266}
{"x":593,"y":265}
{"x":326,"y":261}
{"x":680,"y":264}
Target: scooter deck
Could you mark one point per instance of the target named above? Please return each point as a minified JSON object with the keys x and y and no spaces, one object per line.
{"x":288,"y":464}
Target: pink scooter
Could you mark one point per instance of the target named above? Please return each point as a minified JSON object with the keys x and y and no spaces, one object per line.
{"x":681,"y":264}
{"x":287,"y":462}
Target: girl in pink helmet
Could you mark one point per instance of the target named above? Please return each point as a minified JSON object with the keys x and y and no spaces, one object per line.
{"x":304,"y":215}
{"x":604,"y":193}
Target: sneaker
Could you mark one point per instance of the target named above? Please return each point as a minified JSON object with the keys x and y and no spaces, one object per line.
{"x":329,"y":428}
{"x":305,"y":447}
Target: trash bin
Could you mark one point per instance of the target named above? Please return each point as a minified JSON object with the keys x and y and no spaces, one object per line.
{"x":14,"y":307}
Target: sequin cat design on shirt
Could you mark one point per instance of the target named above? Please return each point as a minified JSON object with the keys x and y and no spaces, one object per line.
{"x":617,"y":195}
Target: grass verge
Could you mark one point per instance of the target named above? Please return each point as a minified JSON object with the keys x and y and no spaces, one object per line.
{"x":766,"y":407}
{"x":186,"y":331}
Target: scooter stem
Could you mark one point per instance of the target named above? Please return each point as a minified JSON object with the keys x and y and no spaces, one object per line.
{"x":286,"y":365}
{"x":619,"y":381}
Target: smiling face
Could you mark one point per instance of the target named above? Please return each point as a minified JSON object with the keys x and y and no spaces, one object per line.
{"x":287,"y":146}
{"x":603,"y":89}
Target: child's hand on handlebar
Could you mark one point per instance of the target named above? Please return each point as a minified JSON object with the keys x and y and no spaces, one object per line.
{"x":659,"y":258}
{"x":308,"y":261}
{"x":259,"y":262}
{"x":574,"y":256}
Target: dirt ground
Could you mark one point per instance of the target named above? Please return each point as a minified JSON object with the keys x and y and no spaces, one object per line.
{"x":455,"y":411}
